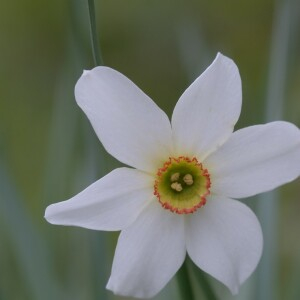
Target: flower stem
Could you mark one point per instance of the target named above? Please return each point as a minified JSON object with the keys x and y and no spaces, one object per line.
{"x":206,"y":288}
{"x":184,"y":283}
{"x":95,"y":45}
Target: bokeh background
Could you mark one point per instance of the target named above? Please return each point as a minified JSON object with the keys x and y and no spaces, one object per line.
{"x":49,"y":152}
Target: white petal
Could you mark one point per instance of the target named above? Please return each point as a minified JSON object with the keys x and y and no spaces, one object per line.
{"x":130,"y":125}
{"x":111,"y":203}
{"x":148,"y":254}
{"x":256,"y":159}
{"x":224,"y":239}
{"x":206,"y":113}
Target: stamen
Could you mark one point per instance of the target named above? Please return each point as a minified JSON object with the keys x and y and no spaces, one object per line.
{"x":182,"y":185}
{"x":188,"y":179}
{"x":176,"y":186}
{"x":175,"y":176}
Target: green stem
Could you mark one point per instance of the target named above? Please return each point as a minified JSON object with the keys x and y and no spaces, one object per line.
{"x":95,"y":45}
{"x":206,"y":288}
{"x":184,"y":283}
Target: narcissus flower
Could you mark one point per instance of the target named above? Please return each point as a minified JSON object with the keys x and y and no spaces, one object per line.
{"x":178,"y":196}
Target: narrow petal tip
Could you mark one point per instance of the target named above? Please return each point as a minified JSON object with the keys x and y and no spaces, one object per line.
{"x":221,"y":58}
{"x":50,"y":214}
{"x":46,"y":215}
{"x":85,"y":72}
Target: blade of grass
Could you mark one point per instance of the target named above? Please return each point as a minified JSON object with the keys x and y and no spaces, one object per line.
{"x":72,"y":164}
{"x":268,"y":205}
{"x":30,"y":249}
{"x":94,"y":36}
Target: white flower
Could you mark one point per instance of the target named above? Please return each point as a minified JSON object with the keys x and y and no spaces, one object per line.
{"x":178,"y":197}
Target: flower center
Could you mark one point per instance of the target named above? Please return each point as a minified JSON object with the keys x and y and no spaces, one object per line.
{"x":182,"y":184}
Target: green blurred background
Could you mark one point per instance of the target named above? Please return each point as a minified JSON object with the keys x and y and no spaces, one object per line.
{"x":49,"y":152}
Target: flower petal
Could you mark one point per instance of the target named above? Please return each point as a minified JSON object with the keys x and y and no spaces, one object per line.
{"x":224,"y":239}
{"x":130,"y":125}
{"x":206,"y":113}
{"x":148,"y":254}
{"x":111,"y":203}
{"x":256,"y":159}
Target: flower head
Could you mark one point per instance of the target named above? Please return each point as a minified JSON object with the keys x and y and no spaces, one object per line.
{"x":178,"y":197}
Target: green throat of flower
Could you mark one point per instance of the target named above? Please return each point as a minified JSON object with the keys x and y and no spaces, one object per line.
{"x":182,"y":184}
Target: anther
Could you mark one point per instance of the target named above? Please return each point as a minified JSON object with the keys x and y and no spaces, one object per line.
{"x":176,"y":186}
{"x":188,"y":179}
{"x":175,"y":177}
